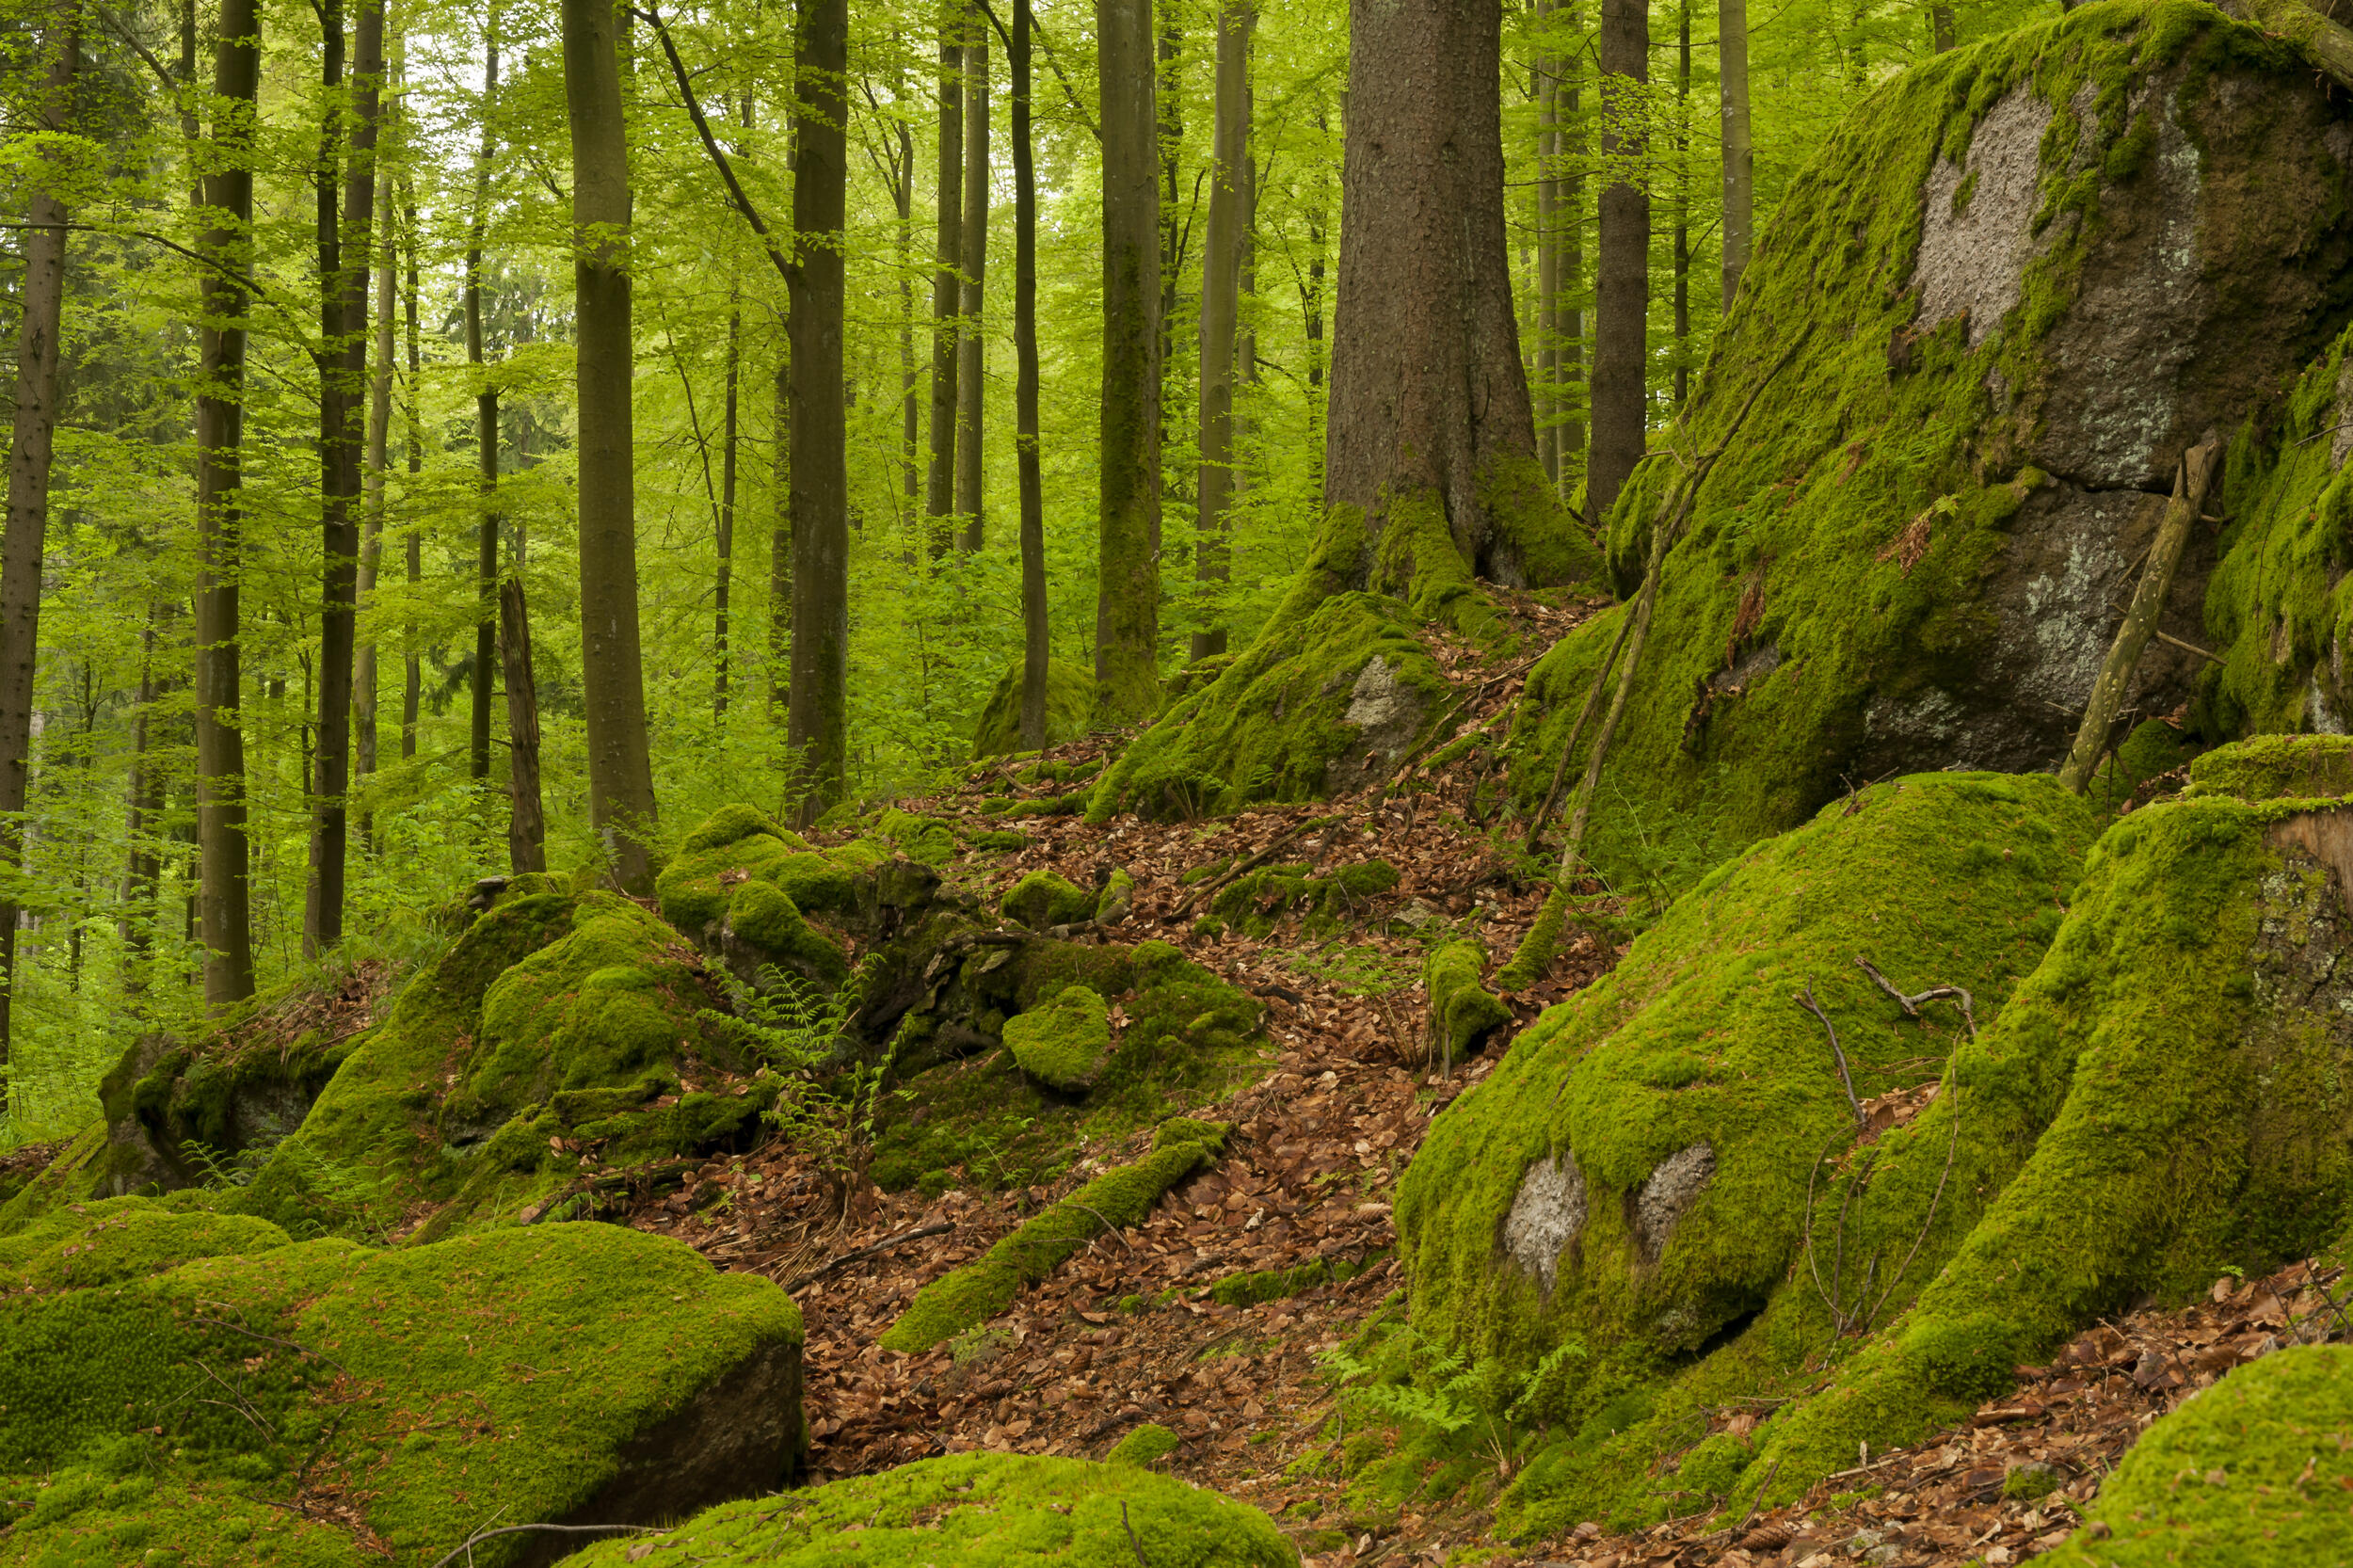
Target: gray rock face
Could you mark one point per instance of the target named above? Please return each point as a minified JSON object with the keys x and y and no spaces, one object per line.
{"x":1974,"y":249}
{"x":1669,"y":1194}
{"x":1388,"y":713}
{"x":1546,"y":1217}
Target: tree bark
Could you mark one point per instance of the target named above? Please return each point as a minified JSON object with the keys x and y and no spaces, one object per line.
{"x":817,"y":723}
{"x":1127,"y":526}
{"x":910,"y":381}
{"x":1683,"y":203}
{"x":728,"y":441}
{"x":222,"y":908}
{"x":780,"y":550}
{"x":1568,"y":325}
{"x":1739,"y":219}
{"x":142,"y":876}
{"x":1546,"y":391}
{"x":620,"y":768}
{"x":486,"y":433}
{"x":1220,"y":306}
{"x":970,"y":344}
{"x":1034,"y":627}
{"x":412,"y":661}
{"x":1169,"y":121}
{"x":1622,"y":281}
{"x":526,"y":826}
{"x":32,"y":440}
{"x":377,"y":495}
{"x":940,"y":496}
{"x":1940,"y":27}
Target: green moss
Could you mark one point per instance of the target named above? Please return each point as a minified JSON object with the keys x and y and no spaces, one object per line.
{"x":1069,"y":704}
{"x":1146,"y":1446}
{"x":766,"y":916}
{"x":929,"y":840}
{"x":117,"y":1239}
{"x":1267,"y":1285}
{"x":1042,"y":899}
{"x":1256,"y":902}
{"x":983,"y":1511}
{"x":2276,"y":767}
{"x":1463,"y":1012}
{"x":1062,"y":1042}
{"x":986,"y":1287}
{"x":999,"y":841}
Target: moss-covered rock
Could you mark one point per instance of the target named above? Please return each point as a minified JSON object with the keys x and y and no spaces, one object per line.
{"x":1147,"y":1444}
{"x":177,"y":1392}
{"x":1463,"y":1014}
{"x":1069,"y":704}
{"x":744,"y":888}
{"x":971,"y":1295}
{"x":1256,"y":902}
{"x":2276,"y":767}
{"x":2254,"y":1470}
{"x":1062,"y":1042}
{"x":1042,"y":899}
{"x":1914,"y":553}
{"x":983,"y":1511}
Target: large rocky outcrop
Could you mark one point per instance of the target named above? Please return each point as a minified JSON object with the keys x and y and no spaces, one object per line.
{"x":192,"y":1385}
{"x":2019,"y":283}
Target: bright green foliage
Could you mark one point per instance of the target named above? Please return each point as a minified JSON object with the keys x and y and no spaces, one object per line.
{"x":2252,"y":1471}
{"x":1042,"y":899}
{"x":175,"y":1408}
{"x":1123,"y":1196}
{"x":1069,"y":703}
{"x":1799,"y":604}
{"x":1462,"y":1010}
{"x":1145,"y":1446}
{"x":1189,"y":1038}
{"x":1255,"y":903}
{"x":1062,"y":1042}
{"x":981,"y":1511}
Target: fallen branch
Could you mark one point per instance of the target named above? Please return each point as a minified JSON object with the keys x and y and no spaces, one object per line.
{"x":2327,"y":45}
{"x":1934,"y":993}
{"x":2171,"y":641}
{"x":480,"y":1536}
{"x":1241,"y":867}
{"x":1846,"y":1080}
{"x":920,"y":1233}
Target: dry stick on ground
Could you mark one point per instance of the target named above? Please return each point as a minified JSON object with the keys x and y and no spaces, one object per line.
{"x":1576,"y":730}
{"x":1805,"y":999}
{"x":467,"y":1545}
{"x":2190,"y":480}
{"x":1934,"y":993}
{"x":1673,"y":514}
{"x":2326,"y":45}
{"x":868,"y":1251}
{"x":1213,"y":884}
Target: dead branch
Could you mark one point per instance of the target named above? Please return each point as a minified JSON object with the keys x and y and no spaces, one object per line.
{"x":1213,"y":884}
{"x":868,"y":1251}
{"x":476,"y":1539}
{"x":1934,"y":993}
{"x":1846,"y":1080}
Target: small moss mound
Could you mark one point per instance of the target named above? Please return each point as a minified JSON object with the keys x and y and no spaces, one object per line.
{"x":1063,"y":1043}
{"x":988,"y":1285}
{"x":1267,"y":1285}
{"x":744,"y":889}
{"x":1463,"y":1014}
{"x":1069,"y":704}
{"x":1255,"y":903}
{"x":1042,"y":899}
{"x":981,"y":1511}
{"x":2276,"y":767}
{"x":1145,"y":1446}
{"x":2255,"y":1469}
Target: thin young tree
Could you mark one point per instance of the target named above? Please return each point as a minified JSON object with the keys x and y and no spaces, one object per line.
{"x":621,"y":767}
{"x":939,"y":500}
{"x":223,"y":922}
{"x":1547,"y":391}
{"x":1025,"y":391}
{"x":526,"y":820}
{"x":1682,"y":243}
{"x":1128,"y":524}
{"x":973,"y":269}
{"x":1622,"y":281}
{"x":31,"y":443}
{"x":1732,"y":76}
{"x":485,"y":427}
{"x":413,"y":543}
{"x":374,"y":494}
{"x":1221,"y":308}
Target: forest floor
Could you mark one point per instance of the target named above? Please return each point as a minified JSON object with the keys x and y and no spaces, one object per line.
{"x":1309,"y":1174}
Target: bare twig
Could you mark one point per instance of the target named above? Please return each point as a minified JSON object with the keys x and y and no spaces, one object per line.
{"x":1896,"y":1278}
{"x":2171,"y":641}
{"x":1213,"y":884}
{"x":1754,"y":1497}
{"x":273,"y":1339}
{"x":1805,"y":999}
{"x":463,"y":1548}
{"x":785,"y":266}
{"x":1132,"y":1542}
{"x":870,"y":1250}
{"x":1934,"y":993}
{"x":1072,"y":1203}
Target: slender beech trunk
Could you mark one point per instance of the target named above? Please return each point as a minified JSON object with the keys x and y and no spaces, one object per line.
{"x":728,"y":438}
{"x":1546,"y":391}
{"x":412,"y":550}
{"x":780,"y":549}
{"x":1033,"y":627}
{"x":526,"y":824}
{"x":939,"y":503}
{"x":620,"y":768}
{"x":1128,"y":527}
{"x":1739,"y":219}
{"x":223,"y":922}
{"x":1169,"y":123}
{"x":970,"y":345}
{"x":486,"y":432}
{"x":342,"y":385}
{"x":142,"y":875}
{"x":1318,"y":219}
{"x":818,"y":721}
{"x":910,"y":379}
{"x":1942,"y":33}
{"x":33,"y":436}
{"x":1683,"y":202}
{"x":364,"y":692}
{"x":1568,"y":316}
{"x":1220,"y":305}
{"x":1621,"y":285}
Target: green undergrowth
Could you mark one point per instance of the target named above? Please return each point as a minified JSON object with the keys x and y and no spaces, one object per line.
{"x":1825,"y":606}
{"x":980,"y":1510}
{"x":174,"y":1390}
{"x":1255,"y":903}
{"x":1069,"y":704}
{"x":978,"y":1290}
{"x":2254,"y":1470}
{"x":960,"y":1112}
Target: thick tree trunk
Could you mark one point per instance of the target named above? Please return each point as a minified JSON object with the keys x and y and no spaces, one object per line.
{"x":343,"y":384}
{"x":486,"y":435}
{"x":970,"y":344}
{"x":730,"y":439}
{"x":818,"y":721}
{"x":1622,"y":284}
{"x":940,"y":495}
{"x":33,"y":437}
{"x":526,"y":824}
{"x":412,"y":551}
{"x":1033,"y":627}
{"x":1739,"y":219}
{"x":222,"y":921}
{"x":1127,"y":604}
{"x":620,"y":768}
{"x":1221,"y":306}
{"x":1169,"y":119}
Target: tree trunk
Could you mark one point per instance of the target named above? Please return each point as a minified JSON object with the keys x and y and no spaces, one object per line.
{"x":1568,"y":325}
{"x":413,"y":662}
{"x":363,"y":686}
{"x":343,"y":382}
{"x":1220,"y":305}
{"x":728,"y":438}
{"x":1942,"y":31}
{"x":32,"y":439}
{"x":1683,"y":203}
{"x":142,"y":876}
{"x":1169,"y":121}
{"x":1622,"y":281}
{"x":910,"y":415}
{"x":222,"y":919}
{"x":940,"y":497}
{"x":1547,"y":392}
{"x":526,"y":826}
{"x":780,"y":549}
{"x":1739,"y":219}
{"x":620,"y":768}
{"x":1127,"y":604}
{"x":817,"y":724}
{"x":1033,"y":627}
{"x":970,"y":344}
{"x":486,"y":428}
